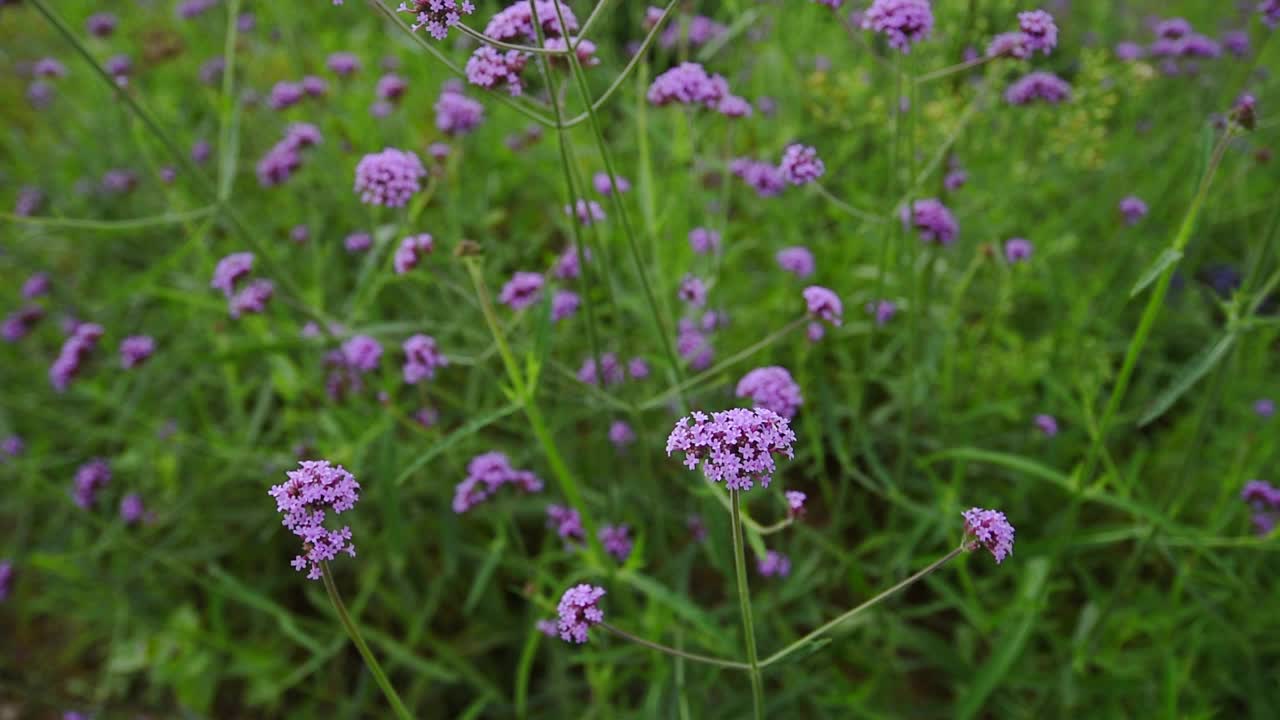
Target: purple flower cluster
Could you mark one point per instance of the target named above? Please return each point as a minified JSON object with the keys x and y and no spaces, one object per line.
{"x":1264,"y":408}
{"x":135,"y":350}
{"x":588,"y":212}
{"x":621,"y":434}
{"x":90,"y":479}
{"x":795,"y":502}
{"x":697,"y":30}
{"x":30,"y":200}
{"x":1017,"y":250}
{"x":903,"y":22}
{"x":101,"y":24}
{"x":310,"y":491}
{"x":457,"y":114}
{"x":1133,"y":209}
{"x":603,"y":185}
{"x":1047,"y":424}
{"x":693,"y":291}
{"x":486,"y":473}
{"x":689,"y":84}
{"x":616,"y":540}
{"x":567,"y":523}
{"x":20,"y":322}
{"x":771,"y":388}
{"x":437,"y":16}
{"x":882,"y":310}
{"x":362,"y":353}
{"x":1010,"y":45}
{"x":422,"y":357}
{"x":610,"y":368}
{"x":989,"y":529}
{"x":285,"y":94}
{"x":1042,"y":86}
{"x":191,"y":9}
{"x":774,"y":564}
{"x":75,"y":350}
{"x":515,"y":22}
{"x":693,"y":344}
{"x":342,"y":63}
{"x":253,"y":297}
{"x":704,"y":240}
{"x":735,"y":446}
{"x":796,"y":260}
{"x":932,"y":220}
{"x":357,"y":242}
{"x":522,"y":290}
{"x":389,"y":178}
{"x":411,"y":251}
{"x":132,"y":509}
{"x":1264,"y":500}
{"x":1270,"y":12}
{"x":490,"y":68}
{"x":564,"y":304}
{"x":7,"y":574}
{"x":12,"y":446}
{"x":800,"y":165}
{"x":568,"y":266}
{"x":285,"y":157}
{"x":1040,"y":31}
{"x":765,"y":178}
{"x":824,"y":304}
{"x":579,"y":609}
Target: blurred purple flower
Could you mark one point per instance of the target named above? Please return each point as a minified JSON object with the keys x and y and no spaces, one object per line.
{"x":772,"y":388}
{"x":135,"y":350}
{"x":774,"y":564}
{"x":422,"y":357}
{"x":90,"y":479}
{"x":522,"y":290}
{"x":796,"y":260}
{"x":389,"y":178}
{"x":824,"y":304}
{"x":411,"y":251}
{"x":616,"y":540}
{"x":704,"y":240}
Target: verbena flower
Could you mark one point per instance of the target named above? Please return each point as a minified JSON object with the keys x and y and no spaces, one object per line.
{"x":704,"y":240}
{"x":311,"y":491}
{"x":342,"y":63}
{"x":132,"y":509}
{"x":621,"y":434}
{"x":1245,"y":111}
{"x":90,"y":479}
{"x":1010,"y":45}
{"x":772,"y":388}
{"x":795,"y":502}
{"x":637,"y":368}
{"x":135,"y":350}
{"x":515,"y":22}
{"x":579,"y":609}
{"x":700,"y":30}
{"x":358,"y":242}
{"x":690,"y":84}
{"x":285,"y":94}
{"x":693,"y":345}
{"x":774,"y":564}
{"x":422,"y":357}
{"x":882,"y":310}
{"x":697,"y":528}
{"x":616,"y":540}
{"x":1270,"y":12}
{"x":30,"y":200}
{"x":391,"y":88}
{"x":300,"y":234}
{"x":314,"y":86}
{"x":1133,"y":209}
{"x":13,"y":446}
{"x":989,"y":529}
{"x":564,"y":304}
{"x":389,"y":178}
{"x":1017,"y":250}
{"x":796,"y":260}
{"x":101,"y":24}
{"x":610,"y":367}
{"x":75,"y":351}
{"x":457,"y":114}
{"x":491,"y":68}
{"x":253,"y":298}
{"x":693,"y":291}
{"x":118,"y":181}
{"x":486,"y":474}
{"x":411,"y":251}
{"x":1047,"y":424}
{"x":362,"y":353}
{"x":766,"y":179}
{"x":437,"y":16}
{"x":1040,"y":30}
{"x":1264,"y":408}
{"x":119,"y":67}
{"x":1236,"y":42}
{"x":522,"y":290}
{"x":568,"y":266}
{"x":191,"y":9}
{"x":932,"y":220}
{"x":588,"y":212}
{"x":903,"y":22}
{"x":603,"y":185}
{"x":583,"y":48}
{"x":1128,"y":51}
{"x":567,"y":523}
{"x":20,"y":322}
{"x":1042,"y":86}
{"x":801,"y":165}
{"x":49,"y":68}
{"x":824,"y":304}
{"x":734,"y":446}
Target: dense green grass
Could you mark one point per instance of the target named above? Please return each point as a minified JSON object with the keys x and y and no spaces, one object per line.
{"x":1137,"y":588}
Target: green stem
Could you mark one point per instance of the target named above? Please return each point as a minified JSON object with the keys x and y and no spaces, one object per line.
{"x":784,"y":652}
{"x":505,"y":45}
{"x":673,"y":651}
{"x":112,"y":225}
{"x":846,"y":207}
{"x":370,"y":661}
{"x":953,"y":69}
{"x":744,"y":603}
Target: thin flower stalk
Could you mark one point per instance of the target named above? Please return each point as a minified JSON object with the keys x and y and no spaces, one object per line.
{"x":370,"y":661}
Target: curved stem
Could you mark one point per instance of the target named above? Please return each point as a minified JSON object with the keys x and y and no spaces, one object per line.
{"x":846,"y":207}
{"x":953,"y":69}
{"x":112,"y":225}
{"x":864,"y":606}
{"x":596,"y":12}
{"x":673,"y":651}
{"x":744,"y":604}
{"x":506,"y":45}
{"x":751,"y":524}
{"x":369,"y":660}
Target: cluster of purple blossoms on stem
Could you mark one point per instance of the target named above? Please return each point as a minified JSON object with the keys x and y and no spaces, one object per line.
{"x":610,"y":368}
{"x":568,"y":266}
{"x":616,"y":540}
{"x":358,"y":242}
{"x":1042,"y":86}
{"x":389,"y":178}
{"x":75,"y":351}
{"x":588,"y":212}
{"x":796,"y":260}
{"x":564,"y":304}
{"x":490,"y":68}
{"x":704,"y":240}
{"x":315,"y":488}
{"x":989,"y":529}
{"x":771,"y":388}
{"x":603,"y":185}
{"x":567,"y":523}
{"x":903,"y":22}
{"x":253,"y":297}
{"x":437,"y":16}
{"x":774,"y":564}
{"x":285,"y":157}
{"x":411,"y":251}
{"x":932,"y":220}
{"x":1264,"y":500}
{"x":1133,"y":209}
{"x":734,"y":446}
{"x":579,"y":609}
{"x":801,"y":165}
{"x":457,"y":114}
{"x":882,"y":310}
{"x":824,"y":304}
{"x":1010,"y":45}
{"x":693,"y":291}
{"x":49,"y":68}
{"x":522,"y":290}
{"x":1040,"y":31}
{"x":1017,"y":250}
{"x":90,"y":479}
{"x":689,"y":84}
{"x":135,"y":350}
{"x":285,"y":94}
{"x":621,"y":434}
{"x":362,"y":353}
{"x":422,"y":357}
{"x":486,"y":473}
{"x":1236,"y":42}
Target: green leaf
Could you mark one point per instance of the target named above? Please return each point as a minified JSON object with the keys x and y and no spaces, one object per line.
{"x":1162,"y":263}
{"x":452,"y":439}
{"x":1199,"y":366}
{"x":481,"y":581}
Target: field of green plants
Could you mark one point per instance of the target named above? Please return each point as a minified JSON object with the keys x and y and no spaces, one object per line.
{"x":587,"y":359}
